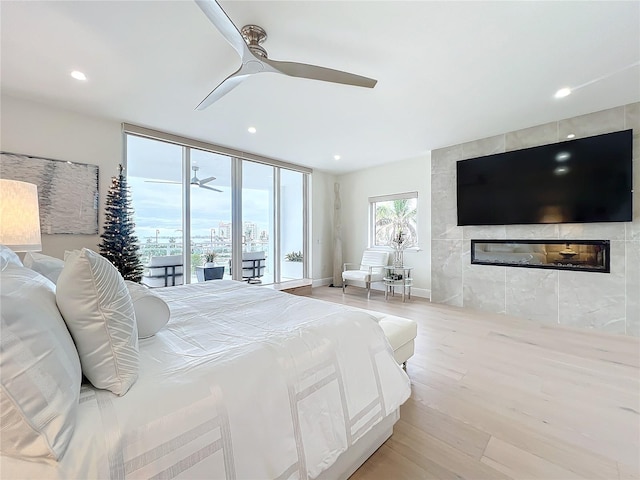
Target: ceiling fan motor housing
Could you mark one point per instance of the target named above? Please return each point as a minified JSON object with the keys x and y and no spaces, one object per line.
{"x":254,"y":36}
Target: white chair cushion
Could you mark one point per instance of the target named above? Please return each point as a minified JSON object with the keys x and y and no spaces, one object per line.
{"x":356,"y":275}
{"x":45,"y":265}
{"x":152,"y":312}
{"x":98,"y":310}
{"x":165,"y":260}
{"x":374,"y":257}
{"x":41,"y":373}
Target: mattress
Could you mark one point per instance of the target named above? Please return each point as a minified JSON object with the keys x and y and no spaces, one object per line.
{"x":244,"y":382}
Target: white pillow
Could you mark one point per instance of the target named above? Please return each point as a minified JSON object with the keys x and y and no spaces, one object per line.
{"x":152,"y":312}
{"x":98,"y":310}
{"x":41,"y":372}
{"x":45,"y":265}
{"x":8,"y":257}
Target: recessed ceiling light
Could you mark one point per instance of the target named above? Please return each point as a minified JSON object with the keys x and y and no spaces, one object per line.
{"x":571,"y":135}
{"x":336,"y":157}
{"x":78,"y":75}
{"x":562,"y":156}
{"x":251,"y":130}
{"x":563,"y":92}
{"x":561,"y":170}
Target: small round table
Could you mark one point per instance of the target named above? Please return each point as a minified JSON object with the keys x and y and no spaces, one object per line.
{"x":397,"y":277}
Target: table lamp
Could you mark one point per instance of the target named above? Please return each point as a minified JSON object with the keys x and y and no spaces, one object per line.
{"x":19,"y":216}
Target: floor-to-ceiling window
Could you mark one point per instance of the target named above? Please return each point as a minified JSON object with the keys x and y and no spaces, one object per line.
{"x":257,"y":213}
{"x":155,"y":180}
{"x":291,"y":225}
{"x":180,"y":208}
{"x":210,"y":209}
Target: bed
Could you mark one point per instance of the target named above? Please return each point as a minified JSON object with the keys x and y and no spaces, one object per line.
{"x":244,"y":382}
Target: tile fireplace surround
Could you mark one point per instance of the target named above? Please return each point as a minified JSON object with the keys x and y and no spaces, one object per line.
{"x":607,"y":302}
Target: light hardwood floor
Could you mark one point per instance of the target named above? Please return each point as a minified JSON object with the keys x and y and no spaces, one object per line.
{"x":497,"y":397}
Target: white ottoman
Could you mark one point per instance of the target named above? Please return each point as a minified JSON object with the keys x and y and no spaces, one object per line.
{"x":401,"y":333}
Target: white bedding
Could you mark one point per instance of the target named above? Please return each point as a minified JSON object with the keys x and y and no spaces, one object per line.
{"x":244,"y":383}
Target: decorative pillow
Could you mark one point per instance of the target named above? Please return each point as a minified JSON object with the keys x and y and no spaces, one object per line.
{"x":45,"y":265}
{"x":98,"y":310}
{"x":41,"y":372}
{"x":152,"y":312}
{"x":8,"y":257}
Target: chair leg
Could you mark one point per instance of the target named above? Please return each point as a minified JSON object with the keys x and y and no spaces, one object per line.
{"x":344,"y":285}
{"x":368,"y":290}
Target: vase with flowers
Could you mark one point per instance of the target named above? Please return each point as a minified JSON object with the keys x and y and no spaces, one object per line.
{"x":399,"y":242}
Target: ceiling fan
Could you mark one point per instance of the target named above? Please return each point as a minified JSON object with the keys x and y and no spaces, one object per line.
{"x":254,"y":57}
{"x":194,"y":180}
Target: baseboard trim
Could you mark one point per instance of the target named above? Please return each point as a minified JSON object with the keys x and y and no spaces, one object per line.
{"x":321,"y":282}
{"x":378,"y":287}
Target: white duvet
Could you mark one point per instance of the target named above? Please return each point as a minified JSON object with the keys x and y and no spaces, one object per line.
{"x":242,"y":383}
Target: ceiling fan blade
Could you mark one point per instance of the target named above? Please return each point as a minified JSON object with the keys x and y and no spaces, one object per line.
{"x":210,"y":188}
{"x":314,"y":72}
{"x":162,"y":181}
{"x":207,"y":180}
{"x":223,"y":23}
{"x":228,"y":84}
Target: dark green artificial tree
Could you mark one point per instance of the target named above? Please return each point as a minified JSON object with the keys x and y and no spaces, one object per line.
{"x":119,"y":245}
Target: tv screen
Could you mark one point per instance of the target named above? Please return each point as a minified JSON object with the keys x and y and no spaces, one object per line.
{"x":577,"y":181}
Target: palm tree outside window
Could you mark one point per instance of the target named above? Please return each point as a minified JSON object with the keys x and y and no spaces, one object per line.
{"x":394,"y":215}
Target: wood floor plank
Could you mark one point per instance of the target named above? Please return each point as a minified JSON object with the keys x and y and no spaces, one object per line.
{"x":428,"y":451}
{"x":518,"y":463}
{"x":386,"y":464}
{"x":492,"y":394}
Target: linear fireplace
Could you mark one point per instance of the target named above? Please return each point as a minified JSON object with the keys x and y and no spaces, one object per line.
{"x":579,"y":255}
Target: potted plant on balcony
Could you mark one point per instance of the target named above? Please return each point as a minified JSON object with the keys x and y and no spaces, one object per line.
{"x":292,"y":265}
{"x":209,"y":259}
{"x":209,"y":271}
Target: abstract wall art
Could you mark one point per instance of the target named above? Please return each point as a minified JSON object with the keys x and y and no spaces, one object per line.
{"x":67,"y":191}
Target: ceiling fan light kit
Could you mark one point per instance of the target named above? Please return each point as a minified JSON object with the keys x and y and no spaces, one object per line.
{"x":255,"y":59}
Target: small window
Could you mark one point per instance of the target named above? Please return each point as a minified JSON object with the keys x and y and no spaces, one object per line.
{"x":392,"y":215}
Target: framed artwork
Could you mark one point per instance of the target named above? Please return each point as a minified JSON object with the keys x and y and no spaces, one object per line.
{"x":67,"y":191}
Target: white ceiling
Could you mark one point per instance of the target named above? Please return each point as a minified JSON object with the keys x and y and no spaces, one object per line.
{"x":447,"y":72}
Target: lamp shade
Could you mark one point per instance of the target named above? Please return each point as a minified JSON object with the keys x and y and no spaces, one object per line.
{"x":19,"y":216}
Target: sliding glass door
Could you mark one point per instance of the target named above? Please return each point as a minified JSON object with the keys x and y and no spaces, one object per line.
{"x":291,"y":225}
{"x":257,"y":214}
{"x":155,"y":180}
{"x":210,"y":213}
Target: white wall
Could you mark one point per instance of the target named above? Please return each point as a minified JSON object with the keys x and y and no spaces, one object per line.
{"x":35,"y":129}
{"x":322,"y":227}
{"x":398,"y":177}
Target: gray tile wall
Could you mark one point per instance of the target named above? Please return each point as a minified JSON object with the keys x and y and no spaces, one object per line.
{"x":607,"y":302}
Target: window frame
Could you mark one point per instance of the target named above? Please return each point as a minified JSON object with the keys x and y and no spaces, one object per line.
{"x":372,"y":218}
{"x":237,"y":158}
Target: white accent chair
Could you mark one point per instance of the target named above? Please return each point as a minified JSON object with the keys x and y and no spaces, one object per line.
{"x":164,"y":271}
{"x":370,"y":269}
{"x":253,"y":266}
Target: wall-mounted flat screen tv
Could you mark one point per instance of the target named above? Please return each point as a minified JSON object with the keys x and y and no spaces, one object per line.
{"x":577,"y":181}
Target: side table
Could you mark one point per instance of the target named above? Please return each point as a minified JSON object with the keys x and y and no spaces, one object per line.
{"x":397,"y":277}
{"x":209,"y":273}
